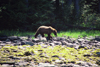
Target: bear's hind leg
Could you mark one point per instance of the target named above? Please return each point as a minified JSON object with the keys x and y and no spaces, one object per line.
{"x":50,"y":37}
{"x":36,"y":35}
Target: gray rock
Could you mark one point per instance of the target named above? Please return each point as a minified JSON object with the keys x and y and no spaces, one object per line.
{"x":71,"y":45}
{"x":36,"y":40}
{"x":44,"y":46}
{"x":23,"y":64}
{"x":16,"y":41}
{"x":16,"y":44}
{"x":69,"y":65}
{"x":57,"y":42}
{"x":43,"y":39}
{"x":3,"y":38}
{"x":76,"y":47}
{"x":58,"y":61}
{"x":13,"y":38}
{"x":46,"y":65}
{"x":80,"y":40}
{"x":61,"y":58}
{"x":27,"y":43}
{"x":81,"y":47}
{"x":81,"y":63}
{"x":7,"y":40}
{"x":5,"y":65}
{"x":62,"y":65}
{"x":52,"y":44}
{"x":98,"y":53}
{"x":89,"y":64}
{"x":59,"y":38}
{"x":23,"y":37}
{"x":64,"y":42}
{"x":98,"y":62}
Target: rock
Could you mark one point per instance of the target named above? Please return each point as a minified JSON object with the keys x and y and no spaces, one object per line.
{"x":62,"y":65}
{"x":56,"y":39}
{"x":43,"y":39}
{"x":7,"y":62}
{"x":98,"y":53}
{"x":61,"y":58}
{"x":44,"y":46}
{"x":64,"y":42}
{"x":55,"y":56}
{"x":98,"y":62}
{"x":80,"y":40}
{"x":89,"y":64}
{"x":69,"y":65}
{"x":57,"y":42}
{"x":5,"y":65}
{"x":27,"y":53}
{"x":59,"y":38}
{"x":7,"y":40}
{"x":16,"y":41}
{"x":81,"y":63}
{"x":23,"y":37}
{"x":77,"y":46}
{"x":58,"y":61}
{"x":2,"y":44}
{"x":71,"y":45}
{"x":16,"y":44}
{"x":87,"y":55}
{"x":27,"y":43}
{"x":46,"y":65}
{"x":36,"y":40}
{"x":13,"y":38}
{"x":81,"y":47}
{"x":97,"y":38}
{"x":22,"y":64}
{"x":3,"y":38}
{"x":52,"y":44}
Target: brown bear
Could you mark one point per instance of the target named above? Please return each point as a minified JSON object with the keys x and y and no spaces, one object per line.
{"x":46,"y":30}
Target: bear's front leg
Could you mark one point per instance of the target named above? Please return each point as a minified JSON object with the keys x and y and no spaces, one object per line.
{"x":42,"y":35}
{"x":49,"y":37}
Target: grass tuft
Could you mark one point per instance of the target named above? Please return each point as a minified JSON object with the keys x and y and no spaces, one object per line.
{"x":71,"y":33}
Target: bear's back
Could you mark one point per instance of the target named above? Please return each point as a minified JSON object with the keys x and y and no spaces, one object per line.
{"x":44,"y":27}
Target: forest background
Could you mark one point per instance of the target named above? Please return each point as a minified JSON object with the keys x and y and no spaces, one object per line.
{"x":28,"y":15}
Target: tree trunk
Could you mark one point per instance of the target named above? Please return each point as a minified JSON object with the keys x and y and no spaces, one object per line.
{"x":99,"y":6}
{"x":27,"y":3}
{"x":69,"y":2}
{"x":77,"y":9}
{"x":57,"y":7}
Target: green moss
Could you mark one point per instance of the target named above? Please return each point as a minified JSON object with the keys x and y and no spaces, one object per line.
{"x":50,"y":54}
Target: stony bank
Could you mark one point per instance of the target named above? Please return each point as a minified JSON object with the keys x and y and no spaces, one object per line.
{"x":65,"y":51}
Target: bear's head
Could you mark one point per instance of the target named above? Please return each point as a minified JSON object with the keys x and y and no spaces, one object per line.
{"x":54,"y":31}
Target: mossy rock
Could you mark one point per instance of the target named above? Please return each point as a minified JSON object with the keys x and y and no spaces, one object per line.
{"x":98,"y":62}
{"x":7,"y":62}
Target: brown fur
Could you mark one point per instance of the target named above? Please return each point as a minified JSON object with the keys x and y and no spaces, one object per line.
{"x":46,"y":30}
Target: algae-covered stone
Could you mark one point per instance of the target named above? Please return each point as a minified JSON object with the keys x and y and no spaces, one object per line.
{"x":98,"y":53}
{"x":98,"y":62}
{"x":27,"y":53}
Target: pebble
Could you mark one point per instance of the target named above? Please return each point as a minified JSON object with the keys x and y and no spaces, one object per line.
{"x":77,"y":44}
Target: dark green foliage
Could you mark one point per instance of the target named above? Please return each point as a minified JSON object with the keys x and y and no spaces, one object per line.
{"x":28,"y":15}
